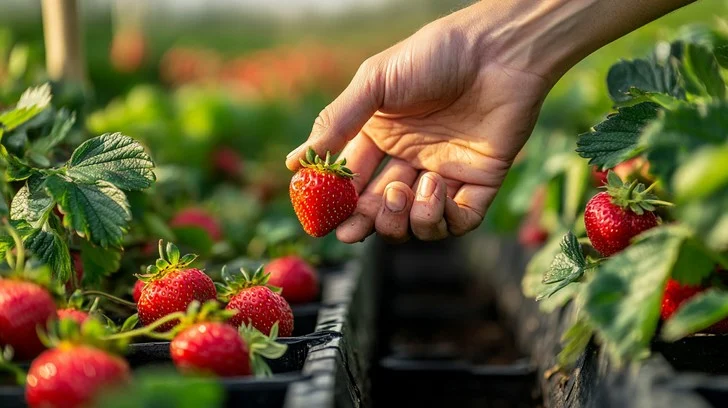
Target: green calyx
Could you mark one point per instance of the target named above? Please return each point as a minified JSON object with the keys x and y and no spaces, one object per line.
{"x":314,"y":161}
{"x":169,"y":260}
{"x":93,"y":332}
{"x":237,"y":282}
{"x":633,"y":195}
{"x":262,"y":347}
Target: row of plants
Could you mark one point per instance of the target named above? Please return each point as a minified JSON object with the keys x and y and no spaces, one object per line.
{"x":631,"y":225}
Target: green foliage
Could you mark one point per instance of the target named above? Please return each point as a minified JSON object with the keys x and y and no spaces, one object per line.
{"x":568,"y":265}
{"x":698,"y":313}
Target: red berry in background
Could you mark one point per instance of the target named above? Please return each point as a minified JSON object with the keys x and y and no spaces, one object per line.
{"x":213,"y":347}
{"x":72,"y":376}
{"x":531,"y":234}
{"x":228,"y":162}
{"x":676,"y":295}
{"x":23,"y":307}
{"x":221,"y":349}
{"x":136,"y":292}
{"x":613,"y":217}
{"x":128,"y":50}
{"x":323,"y":194}
{"x":256,"y":303}
{"x":599,"y":177}
{"x":79,"y":316}
{"x":171,"y":285}
{"x":199,"y":218}
{"x":299,"y":281}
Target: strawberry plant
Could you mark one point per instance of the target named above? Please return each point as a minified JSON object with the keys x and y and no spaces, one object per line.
{"x":642,"y":255}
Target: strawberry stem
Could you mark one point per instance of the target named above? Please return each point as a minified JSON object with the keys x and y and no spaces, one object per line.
{"x":110,"y":297}
{"x":149,"y":330}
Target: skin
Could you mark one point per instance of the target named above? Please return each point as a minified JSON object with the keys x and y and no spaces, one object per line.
{"x":450,"y":107}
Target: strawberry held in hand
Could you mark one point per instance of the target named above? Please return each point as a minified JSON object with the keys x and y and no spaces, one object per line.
{"x":613,"y":217}
{"x":322,"y":193}
{"x":24,"y":306}
{"x":171,"y":285}
{"x":221,"y":349}
{"x":299,"y":281}
{"x":256,"y":302}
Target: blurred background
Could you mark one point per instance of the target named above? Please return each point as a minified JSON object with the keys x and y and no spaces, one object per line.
{"x":220,"y":91}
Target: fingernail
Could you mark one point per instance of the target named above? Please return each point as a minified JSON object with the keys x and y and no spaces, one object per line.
{"x":427,"y":187}
{"x":395,"y":200}
{"x":294,"y":152}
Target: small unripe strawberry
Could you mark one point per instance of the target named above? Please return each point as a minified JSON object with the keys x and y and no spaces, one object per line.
{"x":323,"y":194}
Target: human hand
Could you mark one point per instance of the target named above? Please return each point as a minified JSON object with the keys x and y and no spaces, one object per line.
{"x":450,"y":108}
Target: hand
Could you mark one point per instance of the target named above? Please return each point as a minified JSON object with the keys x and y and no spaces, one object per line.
{"x":448,"y":109}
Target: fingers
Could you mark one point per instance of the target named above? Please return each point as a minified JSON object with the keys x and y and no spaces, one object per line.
{"x":341,"y":120}
{"x":362,"y":157}
{"x":427,"y":215}
{"x":392,"y":223}
{"x":361,"y":223}
{"x":465,"y":211}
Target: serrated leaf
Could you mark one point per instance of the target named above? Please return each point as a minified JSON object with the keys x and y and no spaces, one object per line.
{"x":638,"y":96}
{"x":51,"y":249}
{"x":567,"y":266}
{"x":16,"y":169}
{"x":99,"y":212}
{"x":98,"y":262}
{"x":61,"y":127}
{"x":657,"y":75}
{"x":698,"y":313}
{"x":623,"y":299}
{"x":32,"y":102}
{"x":114,"y":158}
{"x":31,"y":203}
{"x":574,"y":341}
{"x":615,"y":140}
{"x":701,"y":68}
{"x":6,"y":242}
{"x":675,"y":135}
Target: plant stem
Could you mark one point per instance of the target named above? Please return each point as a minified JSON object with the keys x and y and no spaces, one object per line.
{"x":148,"y":330}
{"x":14,"y":370}
{"x":110,"y":297}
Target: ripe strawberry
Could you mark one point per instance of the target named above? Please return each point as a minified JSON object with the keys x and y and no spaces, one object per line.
{"x":218,"y":348}
{"x":256,"y":303}
{"x":199,"y":218}
{"x":72,"y":375}
{"x":299,"y":281}
{"x":530,"y":233}
{"x":136,"y":292}
{"x":24,"y":306}
{"x":599,"y":177}
{"x":171,"y":286}
{"x":613,"y":217}
{"x":228,"y":162}
{"x":322,"y":194}
{"x":676,"y":295}
{"x":79,"y":316}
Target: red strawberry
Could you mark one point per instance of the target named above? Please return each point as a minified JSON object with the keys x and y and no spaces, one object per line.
{"x":136,"y":292}
{"x":218,"y":348}
{"x":613,"y":217}
{"x":72,"y":375}
{"x":676,"y":295}
{"x":199,"y":218}
{"x":228,"y":162}
{"x":599,"y":177}
{"x":531,"y":233}
{"x":299,"y":281}
{"x":171,"y":286}
{"x":24,"y":306}
{"x":322,"y":194}
{"x":256,"y":303}
{"x":79,"y":316}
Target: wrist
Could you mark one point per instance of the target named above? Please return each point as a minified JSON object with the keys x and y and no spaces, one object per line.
{"x":548,"y":37}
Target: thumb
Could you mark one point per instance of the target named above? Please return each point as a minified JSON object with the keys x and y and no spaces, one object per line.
{"x":343,"y":118}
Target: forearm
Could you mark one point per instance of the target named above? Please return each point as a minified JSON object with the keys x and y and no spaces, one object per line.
{"x":547,"y":37}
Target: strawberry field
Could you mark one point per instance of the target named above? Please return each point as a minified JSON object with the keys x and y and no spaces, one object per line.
{"x":157,"y":252}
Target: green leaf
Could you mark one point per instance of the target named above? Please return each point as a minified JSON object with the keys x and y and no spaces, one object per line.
{"x":574,"y":341}
{"x":657,"y":75}
{"x":702,"y":174}
{"x":99,"y":212}
{"x":698,"y":313}
{"x":615,"y":140}
{"x":61,"y":127}
{"x":623,"y":299}
{"x":31,"y":203}
{"x":98,"y":262}
{"x":32,"y":102}
{"x":52,"y":249}
{"x":721,"y":55}
{"x":675,"y":135}
{"x":709,"y":218}
{"x":17,"y":169}
{"x":639,"y":96}
{"x":532,"y":282}
{"x":701,"y":68}
{"x":567,"y":266}
{"x":113,"y":158}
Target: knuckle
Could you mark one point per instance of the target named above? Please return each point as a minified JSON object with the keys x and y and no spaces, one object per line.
{"x":323,"y":121}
